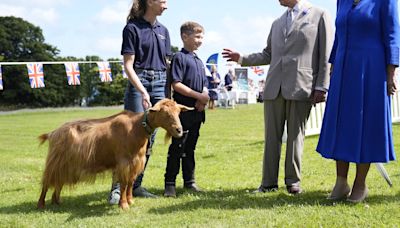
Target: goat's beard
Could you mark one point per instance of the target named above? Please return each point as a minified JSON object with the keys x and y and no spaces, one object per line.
{"x":167,"y":137}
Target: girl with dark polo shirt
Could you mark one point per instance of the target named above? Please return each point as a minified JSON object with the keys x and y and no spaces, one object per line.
{"x":145,"y":47}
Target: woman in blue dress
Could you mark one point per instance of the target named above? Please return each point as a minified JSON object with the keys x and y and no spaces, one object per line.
{"x":357,"y":125}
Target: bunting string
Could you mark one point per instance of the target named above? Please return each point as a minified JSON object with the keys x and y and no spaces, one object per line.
{"x":36,"y":73}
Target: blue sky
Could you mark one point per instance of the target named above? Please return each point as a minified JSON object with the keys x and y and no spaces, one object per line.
{"x":93,"y":27}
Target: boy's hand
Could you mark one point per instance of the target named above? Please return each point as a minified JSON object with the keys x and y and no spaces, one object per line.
{"x":203,"y":98}
{"x":200,"y":106}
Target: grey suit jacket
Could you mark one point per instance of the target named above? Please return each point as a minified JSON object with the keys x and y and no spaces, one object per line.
{"x":298,"y":58}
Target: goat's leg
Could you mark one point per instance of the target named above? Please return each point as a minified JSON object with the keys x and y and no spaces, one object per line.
{"x":129,"y":194}
{"x":123,"y":200}
{"x":42,"y":198}
{"x":133,"y":173}
{"x":122,"y":172}
{"x":55,"y":199}
{"x":132,"y":178}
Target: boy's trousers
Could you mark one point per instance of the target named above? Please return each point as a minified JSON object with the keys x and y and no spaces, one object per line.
{"x":183,"y":148}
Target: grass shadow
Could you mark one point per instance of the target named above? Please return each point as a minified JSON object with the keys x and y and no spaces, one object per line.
{"x":12,"y":190}
{"x":256,"y":143}
{"x":79,"y":207}
{"x":243,"y":199}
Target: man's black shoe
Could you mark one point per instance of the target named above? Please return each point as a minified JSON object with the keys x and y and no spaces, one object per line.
{"x":294,"y":189}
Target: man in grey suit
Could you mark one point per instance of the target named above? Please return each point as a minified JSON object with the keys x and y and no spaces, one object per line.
{"x":297,"y":51}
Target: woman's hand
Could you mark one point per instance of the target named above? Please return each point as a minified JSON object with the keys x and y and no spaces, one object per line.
{"x":146,"y":101}
{"x":391,"y":80}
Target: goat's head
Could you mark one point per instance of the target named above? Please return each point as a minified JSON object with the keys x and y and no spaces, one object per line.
{"x":165,"y":114}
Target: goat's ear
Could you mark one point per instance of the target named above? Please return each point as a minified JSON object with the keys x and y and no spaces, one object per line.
{"x":154,"y":109}
{"x":184,"y":108}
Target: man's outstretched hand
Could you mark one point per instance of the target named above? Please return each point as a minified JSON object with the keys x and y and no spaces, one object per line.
{"x":230,"y":55}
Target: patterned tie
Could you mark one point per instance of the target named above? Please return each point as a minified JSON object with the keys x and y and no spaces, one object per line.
{"x":289,"y":20}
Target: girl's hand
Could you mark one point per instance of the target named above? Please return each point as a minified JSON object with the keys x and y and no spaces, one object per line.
{"x":146,"y":101}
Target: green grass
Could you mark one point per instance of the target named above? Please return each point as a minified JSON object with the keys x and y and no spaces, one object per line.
{"x":228,"y":167}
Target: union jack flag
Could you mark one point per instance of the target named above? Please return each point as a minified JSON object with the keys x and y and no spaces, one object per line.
{"x":1,"y":79}
{"x":258,"y":70}
{"x":124,"y":75}
{"x":73,"y":74}
{"x":105,"y":71}
{"x":35,"y":74}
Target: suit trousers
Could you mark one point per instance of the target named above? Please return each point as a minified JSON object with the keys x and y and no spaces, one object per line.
{"x":276,"y":113}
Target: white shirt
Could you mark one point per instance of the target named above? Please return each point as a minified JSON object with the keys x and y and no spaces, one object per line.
{"x":296,"y":9}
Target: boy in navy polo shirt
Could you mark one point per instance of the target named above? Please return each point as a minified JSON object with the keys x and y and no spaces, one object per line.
{"x":189,"y":83}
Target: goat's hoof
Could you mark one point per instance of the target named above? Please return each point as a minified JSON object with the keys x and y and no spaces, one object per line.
{"x":40,"y":206}
{"x":124,"y":206}
{"x":55,"y":202}
{"x":130,"y":201}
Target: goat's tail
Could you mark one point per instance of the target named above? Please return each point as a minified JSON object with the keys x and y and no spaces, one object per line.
{"x":43,"y":138}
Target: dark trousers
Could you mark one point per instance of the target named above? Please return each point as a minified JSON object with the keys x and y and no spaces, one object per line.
{"x":183,"y":149}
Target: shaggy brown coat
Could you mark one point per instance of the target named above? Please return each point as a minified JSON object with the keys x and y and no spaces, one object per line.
{"x":80,"y":149}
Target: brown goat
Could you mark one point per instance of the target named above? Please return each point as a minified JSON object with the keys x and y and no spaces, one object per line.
{"x":80,"y":149}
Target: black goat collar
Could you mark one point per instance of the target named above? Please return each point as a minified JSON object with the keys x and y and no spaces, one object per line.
{"x":146,"y":124}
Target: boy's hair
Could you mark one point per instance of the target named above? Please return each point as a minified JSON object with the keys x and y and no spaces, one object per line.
{"x":191,"y":27}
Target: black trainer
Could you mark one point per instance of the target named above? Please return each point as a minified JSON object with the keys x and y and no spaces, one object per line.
{"x":170,"y":191}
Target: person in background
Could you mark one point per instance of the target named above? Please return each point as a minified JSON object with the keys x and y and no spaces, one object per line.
{"x":146,"y":46}
{"x":189,"y":83}
{"x":229,"y":80}
{"x":357,"y":125}
{"x":297,"y":51}
{"x":213,"y":81}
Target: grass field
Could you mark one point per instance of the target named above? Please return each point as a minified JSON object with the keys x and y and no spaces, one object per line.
{"x":228,"y":168}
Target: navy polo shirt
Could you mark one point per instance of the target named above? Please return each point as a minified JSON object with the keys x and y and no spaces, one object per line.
{"x":149,"y":43}
{"x":188,"y":69}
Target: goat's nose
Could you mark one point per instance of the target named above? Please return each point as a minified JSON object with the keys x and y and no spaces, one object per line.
{"x":179,"y":130}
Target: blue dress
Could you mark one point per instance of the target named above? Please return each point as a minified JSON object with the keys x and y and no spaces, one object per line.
{"x":357,"y":125}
